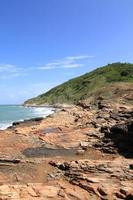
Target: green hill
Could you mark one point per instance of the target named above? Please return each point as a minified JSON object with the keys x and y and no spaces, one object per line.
{"x":88,"y":85}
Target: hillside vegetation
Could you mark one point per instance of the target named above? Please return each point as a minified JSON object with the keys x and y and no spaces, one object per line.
{"x":104,"y":80}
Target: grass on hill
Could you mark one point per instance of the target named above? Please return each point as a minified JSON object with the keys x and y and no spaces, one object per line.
{"x":83,"y":87}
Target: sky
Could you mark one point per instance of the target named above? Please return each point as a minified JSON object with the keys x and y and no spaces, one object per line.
{"x":46,"y":42}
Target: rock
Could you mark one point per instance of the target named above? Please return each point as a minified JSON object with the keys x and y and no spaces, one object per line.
{"x":120,"y":195}
{"x":101,"y":105}
{"x":16,"y":123}
{"x":37,"y":119}
{"x":32,"y":192}
{"x":99,"y":176}
{"x":115,"y":116}
{"x":102,"y":190}
{"x":119,"y":129}
{"x":118,"y":138}
{"x":105,"y":129}
{"x":6,"y":160}
{"x":84,"y":105}
{"x":84,"y":145}
{"x":50,"y":192}
{"x":101,"y":172}
{"x":80,"y":152}
{"x":62,"y":166}
{"x":130,"y":196}
{"x":61,"y":194}
{"x":131,"y":166}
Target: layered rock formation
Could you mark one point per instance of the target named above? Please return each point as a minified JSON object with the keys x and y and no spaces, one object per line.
{"x":79,"y":153}
{"x":106,"y":179}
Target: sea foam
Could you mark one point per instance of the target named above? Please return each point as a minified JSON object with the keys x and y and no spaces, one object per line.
{"x":10,"y":114}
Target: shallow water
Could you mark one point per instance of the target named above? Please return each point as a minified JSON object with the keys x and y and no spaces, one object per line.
{"x":48,"y":152}
{"x":51,"y":130}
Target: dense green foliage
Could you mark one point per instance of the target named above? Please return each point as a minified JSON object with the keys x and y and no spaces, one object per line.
{"x":81,"y":87}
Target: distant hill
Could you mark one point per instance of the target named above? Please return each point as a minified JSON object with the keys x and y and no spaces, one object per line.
{"x":106,"y":81}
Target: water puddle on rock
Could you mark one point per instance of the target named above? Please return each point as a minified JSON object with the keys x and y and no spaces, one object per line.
{"x":48,"y":152}
{"x":51,"y":130}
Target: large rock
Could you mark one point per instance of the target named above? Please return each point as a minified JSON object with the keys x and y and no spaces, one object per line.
{"x":122,"y":137}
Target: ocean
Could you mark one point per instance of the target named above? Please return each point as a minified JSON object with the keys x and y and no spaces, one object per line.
{"x":13,"y":113}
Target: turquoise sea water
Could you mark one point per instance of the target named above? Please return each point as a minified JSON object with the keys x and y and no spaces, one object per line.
{"x":12,"y":113}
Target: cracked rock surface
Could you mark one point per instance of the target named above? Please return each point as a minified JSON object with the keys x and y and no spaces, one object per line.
{"x":78,"y":153}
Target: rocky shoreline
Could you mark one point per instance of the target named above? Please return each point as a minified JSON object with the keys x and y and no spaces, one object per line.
{"x":78,"y":153}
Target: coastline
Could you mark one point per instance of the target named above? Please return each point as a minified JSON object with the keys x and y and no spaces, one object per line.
{"x":28,"y":119}
{"x":67,"y":150}
{"x":49,"y":105}
{"x":34,"y":119}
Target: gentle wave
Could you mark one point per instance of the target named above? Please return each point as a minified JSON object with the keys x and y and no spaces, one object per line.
{"x":4,"y":126}
{"x":43,"y":111}
{"x":10,"y":114}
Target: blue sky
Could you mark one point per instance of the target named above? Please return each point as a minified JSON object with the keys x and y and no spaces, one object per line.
{"x":46,"y":42}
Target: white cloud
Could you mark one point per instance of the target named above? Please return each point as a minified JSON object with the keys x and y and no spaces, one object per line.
{"x":61,"y":66}
{"x":73,"y":65}
{"x":10,"y":71}
{"x":67,"y":63}
{"x":7,"y":68}
{"x":82,"y":57}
